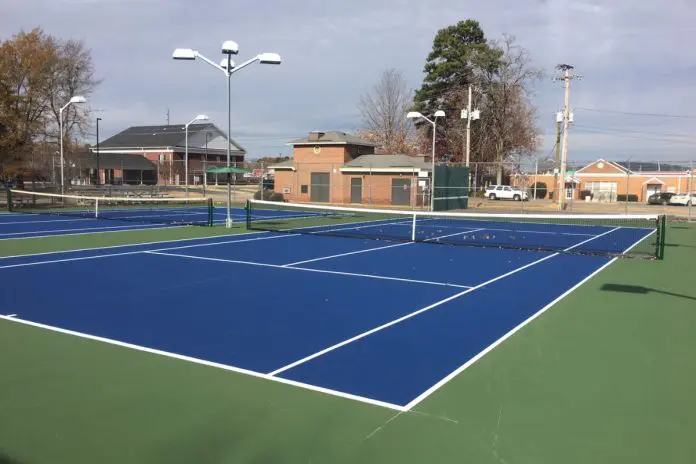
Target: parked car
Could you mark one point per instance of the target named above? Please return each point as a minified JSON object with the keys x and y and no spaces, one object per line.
{"x":686,"y":199}
{"x":506,"y":192}
{"x":660,"y":198}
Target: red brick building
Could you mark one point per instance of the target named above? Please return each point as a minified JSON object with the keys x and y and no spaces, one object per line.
{"x":164,"y":147}
{"x":335,"y":167}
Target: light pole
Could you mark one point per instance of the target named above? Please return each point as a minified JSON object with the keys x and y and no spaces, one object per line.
{"x":200,"y":117}
{"x":438,"y":114}
{"x":76,"y":99}
{"x":228,"y":67}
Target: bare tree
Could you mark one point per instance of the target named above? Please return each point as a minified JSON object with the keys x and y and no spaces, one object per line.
{"x":383,"y":113}
{"x":508,"y":123}
{"x":72,"y":74}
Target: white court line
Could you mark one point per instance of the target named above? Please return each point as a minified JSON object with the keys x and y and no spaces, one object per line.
{"x":10,"y":315}
{"x":191,"y":359}
{"x":377,"y":248}
{"x":212,"y":237}
{"x":82,"y":258}
{"x":427,"y":308}
{"x":509,"y":334}
{"x":73,"y":219}
{"x":134,"y":226}
{"x":346,"y":254}
{"x":155,"y":227}
{"x":516,"y":230}
{"x":307,"y":269}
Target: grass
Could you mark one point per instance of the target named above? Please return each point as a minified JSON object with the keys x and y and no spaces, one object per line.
{"x":605,"y":376}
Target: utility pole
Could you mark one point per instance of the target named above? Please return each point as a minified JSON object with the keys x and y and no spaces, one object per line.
{"x":98,"y":174}
{"x":469,"y":115}
{"x":167,"y":116}
{"x":566,"y":78}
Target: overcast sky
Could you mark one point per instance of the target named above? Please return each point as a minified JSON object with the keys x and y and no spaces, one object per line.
{"x":635,"y":57}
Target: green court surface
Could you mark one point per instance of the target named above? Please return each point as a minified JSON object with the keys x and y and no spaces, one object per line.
{"x":605,"y":376}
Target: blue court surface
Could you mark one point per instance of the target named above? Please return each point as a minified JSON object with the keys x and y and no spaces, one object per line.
{"x":381,"y":322}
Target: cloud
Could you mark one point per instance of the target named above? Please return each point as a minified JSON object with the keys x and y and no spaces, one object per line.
{"x":634,"y":56}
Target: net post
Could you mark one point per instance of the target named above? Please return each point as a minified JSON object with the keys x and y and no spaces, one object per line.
{"x":96,"y":208}
{"x":9,"y":200}
{"x":211,"y":212}
{"x":247,"y":210}
{"x":661,"y":241}
{"x":413,"y":228}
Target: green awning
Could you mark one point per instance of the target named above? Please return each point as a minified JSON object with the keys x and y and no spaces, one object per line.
{"x":226,"y":170}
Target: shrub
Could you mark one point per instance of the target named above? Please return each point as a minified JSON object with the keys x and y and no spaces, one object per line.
{"x":624,"y":197}
{"x":551,"y":195}
{"x":275,"y":196}
{"x":541,"y":189}
{"x":266,"y":195}
{"x":585,"y":193}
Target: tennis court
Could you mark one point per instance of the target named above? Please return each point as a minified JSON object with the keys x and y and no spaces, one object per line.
{"x":322,"y":305}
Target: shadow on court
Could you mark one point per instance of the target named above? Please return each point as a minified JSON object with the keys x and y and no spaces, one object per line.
{"x":5,"y":459}
{"x":640,"y":290}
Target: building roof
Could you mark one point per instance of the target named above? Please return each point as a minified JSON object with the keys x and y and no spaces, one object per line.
{"x":174,"y":136}
{"x":287,"y":164}
{"x":331,"y":138}
{"x":649,"y":166}
{"x":119,"y":161}
{"x":394,"y":161}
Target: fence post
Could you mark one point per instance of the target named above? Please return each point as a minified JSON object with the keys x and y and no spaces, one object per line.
{"x":691,"y":188}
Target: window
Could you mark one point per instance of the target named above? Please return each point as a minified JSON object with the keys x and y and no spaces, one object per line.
{"x":304,"y":189}
{"x":500,"y":187}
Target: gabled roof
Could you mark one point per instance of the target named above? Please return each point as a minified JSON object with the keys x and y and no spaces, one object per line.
{"x":391,"y":162}
{"x":616,"y":166}
{"x":152,"y":137}
{"x":331,"y":138}
{"x":119,"y":161}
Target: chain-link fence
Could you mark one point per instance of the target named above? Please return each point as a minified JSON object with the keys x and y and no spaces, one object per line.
{"x":611,"y":187}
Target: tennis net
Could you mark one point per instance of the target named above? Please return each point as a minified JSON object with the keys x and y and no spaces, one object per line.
{"x":181,"y":211}
{"x":636,"y":236}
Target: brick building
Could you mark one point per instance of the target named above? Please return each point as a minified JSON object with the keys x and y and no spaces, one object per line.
{"x":608,"y":181}
{"x":164,"y":147}
{"x":335,"y":167}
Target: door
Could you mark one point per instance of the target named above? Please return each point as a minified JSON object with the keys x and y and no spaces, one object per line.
{"x":569,"y":191}
{"x":356,"y":190}
{"x":320,"y":187}
{"x":401,"y":192}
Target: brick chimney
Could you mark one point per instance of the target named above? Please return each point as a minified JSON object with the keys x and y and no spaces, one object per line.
{"x":315,"y":136}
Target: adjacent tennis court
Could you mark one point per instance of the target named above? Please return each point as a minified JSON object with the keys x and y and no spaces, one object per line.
{"x":315,"y":301}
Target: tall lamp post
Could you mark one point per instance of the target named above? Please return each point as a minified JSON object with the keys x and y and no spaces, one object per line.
{"x":438,"y":114}
{"x":98,"y":175}
{"x":228,"y":67}
{"x":76,"y":99}
{"x":200,"y":117}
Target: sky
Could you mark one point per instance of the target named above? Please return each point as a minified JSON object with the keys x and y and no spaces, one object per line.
{"x":634,"y":57}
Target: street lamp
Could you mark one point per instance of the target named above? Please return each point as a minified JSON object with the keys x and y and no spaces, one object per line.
{"x":228,"y":67}
{"x":438,"y":114}
{"x":76,"y":99}
{"x":200,"y":117}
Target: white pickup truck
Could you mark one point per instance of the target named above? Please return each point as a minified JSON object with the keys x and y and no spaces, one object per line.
{"x":505,"y":192}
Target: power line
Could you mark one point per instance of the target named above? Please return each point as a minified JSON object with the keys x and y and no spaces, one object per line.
{"x":654,"y":115}
{"x":614,"y":129}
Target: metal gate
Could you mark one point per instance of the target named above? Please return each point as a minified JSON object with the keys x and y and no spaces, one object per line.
{"x":401,"y":192}
{"x":356,"y":190}
{"x":320,"y":187}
